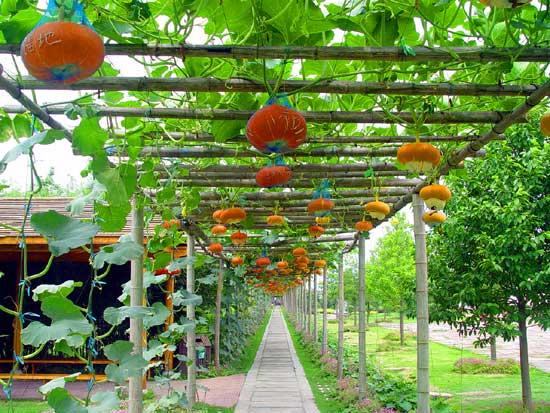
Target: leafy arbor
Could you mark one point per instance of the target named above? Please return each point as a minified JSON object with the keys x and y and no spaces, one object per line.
{"x":489,"y":263}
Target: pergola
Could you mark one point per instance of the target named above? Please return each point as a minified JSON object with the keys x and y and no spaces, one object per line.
{"x":234,"y":163}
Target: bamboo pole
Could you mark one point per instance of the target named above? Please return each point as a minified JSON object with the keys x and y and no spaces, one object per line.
{"x":135,"y":391}
{"x":340,"y":357}
{"x":304,"y":307}
{"x":217,"y":332}
{"x":235,"y":85}
{"x":324,"y":340}
{"x":422,"y":316}
{"x":386,"y":53}
{"x":299,"y":308}
{"x":380,"y":117}
{"x":250,"y":177}
{"x":315,"y":299}
{"x":191,"y":335}
{"x":308,"y":306}
{"x":362,"y":325}
{"x":170,"y":284}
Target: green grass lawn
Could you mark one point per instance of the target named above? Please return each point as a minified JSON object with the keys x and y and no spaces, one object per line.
{"x":471,"y":392}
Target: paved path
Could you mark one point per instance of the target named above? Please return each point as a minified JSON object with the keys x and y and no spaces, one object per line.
{"x":276,"y":383}
{"x":539,"y":354}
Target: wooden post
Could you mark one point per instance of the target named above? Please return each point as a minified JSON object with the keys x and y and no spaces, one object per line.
{"x":169,"y":355}
{"x":135,"y":390}
{"x":308,"y":305}
{"x":422,"y":317}
{"x":324,"y":340}
{"x":217,"y":326}
{"x":341,"y":317}
{"x":362,"y":325}
{"x":191,"y":337}
{"x":314,"y":297}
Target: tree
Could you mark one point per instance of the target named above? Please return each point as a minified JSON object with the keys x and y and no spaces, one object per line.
{"x":490,"y":262}
{"x":390,"y":270}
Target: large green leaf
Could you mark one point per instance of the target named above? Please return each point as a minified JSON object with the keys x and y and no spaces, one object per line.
{"x":63,"y":233}
{"x":127,"y":363}
{"x":89,"y":137}
{"x":62,"y":402}
{"x":64,"y":289}
{"x":118,"y":254}
{"x":57,"y":383}
{"x":116,"y":315}
{"x":105,"y":401}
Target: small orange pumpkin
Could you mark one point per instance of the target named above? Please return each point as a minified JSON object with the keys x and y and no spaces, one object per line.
{"x":215,"y":248}
{"x":236,"y":261}
{"x":282,"y":265}
{"x":302,"y":259}
{"x":377,"y":209}
{"x":275,"y":220}
{"x":315,"y":231}
{"x":419,"y":156}
{"x":263,"y":262}
{"x":217,"y":215}
{"x":172,"y":222}
{"x":239,"y":238}
{"x":62,"y":52}
{"x":320,"y":263}
{"x":218,"y":229}
{"x":297,"y":252}
{"x":545,"y":124}
{"x":233,"y":215}
{"x":319,"y":205}
{"x":275,"y":175}
{"x":322,"y":220}
{"x":364,"y":226}
{"x":433,"y":218}
{"x":435,"y":196}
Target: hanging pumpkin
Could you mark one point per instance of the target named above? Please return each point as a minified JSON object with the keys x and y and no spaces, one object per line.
{"x":239,"y":238}
{"x":419,"y":157}
{"x":63,"y":51}
{"x":233,"y":215}
{"x":364,"y":226}
{"x":433,"y":218}
{"x":276,"y":129}
{"x":320,"y":206}
{"x":545,"y":124}
{"x":236,"y":261}
{"x":218,"y":229}
{"x":435,"y":196}
{"x":215,"y":248}
{"x":318,"y":271}
{"x":263,"y":262}
{"x":377,"y":209}
{"x":322,"y":220}
{"x":171,"y":223}
{"x":275,"y":220}
{"x":504,"y":4}
{"x":302,"y":259}
{"x":276,"y":174}
{"x":217,"y":215}
{"x":298,"y":252}
{"x":320,"y":263}
{"x":315,"y":231}
{"x":282,"y":265}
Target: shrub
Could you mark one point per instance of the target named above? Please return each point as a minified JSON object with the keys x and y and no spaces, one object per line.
{"x":348,"y":389}
{"x":392,"y":336}
{"x":330,"y":364}
{"x":351,"y":329}
{"x":482,"y":366}
{"x":333,"y":321}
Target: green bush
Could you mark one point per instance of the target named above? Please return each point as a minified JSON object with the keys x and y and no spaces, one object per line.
{"x":391,"y":336}
{"x":332,"y":321}
{"x":482,"y":366}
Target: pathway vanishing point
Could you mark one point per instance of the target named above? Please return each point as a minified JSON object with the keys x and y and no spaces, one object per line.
{"x":276,"y":383}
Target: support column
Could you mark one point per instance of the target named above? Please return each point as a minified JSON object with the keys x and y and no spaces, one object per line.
{"x":314,"y":297}
{"x":217,"y":327}
{"x":362,"y":325}
{"x":341,"y":317}
{"x":135,"y":390}
{"x":308,"y":306}
{"x":422,"y":317}
{"x":191,"y":337}
{"x":304,"y":306}
{"x":324,"y":340}
{"x":170,"y":284}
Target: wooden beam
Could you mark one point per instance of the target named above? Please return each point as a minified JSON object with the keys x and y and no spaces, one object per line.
{"x":199,"y":84}
{"x":302,"y":195}
{"x":384,"y":54}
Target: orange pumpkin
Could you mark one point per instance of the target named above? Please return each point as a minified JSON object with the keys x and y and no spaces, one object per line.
{"x":215,"y":248}
{"x":433,"y":218}
{"x":263,"y":261}
{"x":276,"y":129}
{"x":275,"y":220}
{"x":282,"y":265}
{"x":315,"y":231}
{"x":319,"y":205}
{"x":435,"y":196}
{"x":271,"y":176}
{"x":322,"y":220}
{"x":239,"y":238}
{"x":297,"y":252}
{"x":218,"y":229}
{"x":364,"y":226}
{"x":320,"y":263}
{"x":236,"y":261}
{"x":545,"y":124}
{"x":233,"y":215}
{"x":419,"y":156}
{"x":377,"y":209}
{"x":172,"y":222}
{"x":62,"y":52}
{"x":302,"y":259}
{"x":216,"y":216}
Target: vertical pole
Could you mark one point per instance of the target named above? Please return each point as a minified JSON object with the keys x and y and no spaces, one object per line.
{"x":299,"y":307}
{"x":308,"y":306}
{"x":341,"y":317}
{"x":191,"y":351}
{"x":314,"y":296}
{"x":304,"y":306}
{"x":135,"y":391}
{"x":169,"y":355}
{"x":422,"y":317}
{"x":217,"y":327}
{"x":324,"y":340}
{"x":362,"y":325}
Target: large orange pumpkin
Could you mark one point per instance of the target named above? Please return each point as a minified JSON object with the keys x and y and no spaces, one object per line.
{"x":433,"y":218}
{"x":435,"y":196}
{"x":239,"y":238}
{"x":217,"y":214}
{"x":63,"y":52}
{"x":377,"y":209}
{"x":233,"y":215}
{"x":263,"y":262}
{"x":364,"y":226}
{"x":215,"y":248}
{"x":276,"y":129}
{"x":302,"y":259}
{"x":236,"y":261}
{"x":545,"y":124}
{"x":218,"y":229}
{"x":275,"y":220}
{"x":275,"y":175}
{"x":320,"y":206}
{"x":419,"y":156}
{"x":315,"y":231}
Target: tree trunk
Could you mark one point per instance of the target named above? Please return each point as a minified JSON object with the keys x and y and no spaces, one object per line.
{"x":341,"y":317}
{"x":354,"y":318}
{"x":493,"y":348}
{"x":401,"y":324}
{"x":527,"y":397}
{"x":217,"y":326}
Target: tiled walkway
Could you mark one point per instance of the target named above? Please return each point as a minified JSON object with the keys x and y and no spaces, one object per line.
{"x":276,"y":383}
